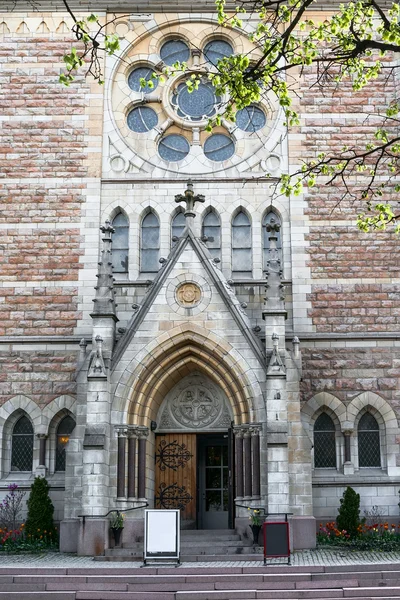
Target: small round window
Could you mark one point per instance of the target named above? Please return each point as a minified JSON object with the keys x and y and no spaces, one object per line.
{"x":217,"y":50}
{"x":219,"y":147}
{"x":142,"y":73}
{"x":173,"y":147}
{"x":142,"y":119}
{"x":250,"y":119}
{"x":174,"y":51}
{"x":196,"y":105}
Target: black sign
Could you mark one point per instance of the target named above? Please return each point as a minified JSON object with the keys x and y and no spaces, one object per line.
{"x":276,"y":540}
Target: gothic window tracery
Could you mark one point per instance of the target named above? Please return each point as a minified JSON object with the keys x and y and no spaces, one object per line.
{"x":241,"y":245}
{"x":150,"y":244}
{"x":324,"y":442}
{"x":369,"y":450}
{"x":64,"y":430}
{"x":22,"y":445}
{"x":212,"y":231}
{"x":120,"y":243}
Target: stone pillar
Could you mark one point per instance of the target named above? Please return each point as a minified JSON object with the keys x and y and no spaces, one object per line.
{"x":142,"y":435}
{"x":255,"y":451}
{"x":239,"y":463}
{"x":42,"y":450}
{"x":132,"y":436}
{"x":348,"y":466}
{"x":121,"y":460}
{"x":248,"y":489}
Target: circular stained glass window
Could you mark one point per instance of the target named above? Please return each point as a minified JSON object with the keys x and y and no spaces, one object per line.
{"x":142,"y":119}
{"x":250,"y":119}
{"x":196,"y":105}
{"x":219,"y":147}
{"x":216,"y":50}
{"x":173,"y":147}
{"x":174,"y":51}
{"x":142,"y":73}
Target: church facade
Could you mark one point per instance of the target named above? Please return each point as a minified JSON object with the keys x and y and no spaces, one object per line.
{"x":174,"y":333}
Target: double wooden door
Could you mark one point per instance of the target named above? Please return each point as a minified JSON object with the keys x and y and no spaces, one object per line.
{"x":194,"y":473}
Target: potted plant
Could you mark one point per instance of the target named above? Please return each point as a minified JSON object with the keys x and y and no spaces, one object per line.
{"x":255,"y":523}
{"x":117,"y":525}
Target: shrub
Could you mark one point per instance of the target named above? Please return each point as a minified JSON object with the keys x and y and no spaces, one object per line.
{"x":348,"y":518}
{"x":40,"y":511}
{"x":10,"y":508}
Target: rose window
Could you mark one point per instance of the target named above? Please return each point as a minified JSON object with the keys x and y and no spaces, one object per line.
{"x":165,"y":125}
{"x":197,"y":105}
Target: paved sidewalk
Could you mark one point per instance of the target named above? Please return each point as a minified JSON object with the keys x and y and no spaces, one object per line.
{"x":303,"y":558}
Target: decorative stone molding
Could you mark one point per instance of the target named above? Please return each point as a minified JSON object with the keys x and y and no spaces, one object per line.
{"x":195,"y":404}
{"x":188,"y":294}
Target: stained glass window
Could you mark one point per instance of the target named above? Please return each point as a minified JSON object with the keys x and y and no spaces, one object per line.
{"x":150,"y":244}
{"x":22,"y":445}
{"x":219,"y":147}
{"x":64,"y":430}
{"x":271,"y":217}
{"x":217,"y":50}
{"x":173,"y":147}
{"x":250,"y":119}
{"x":369,"y":447}
{"x":174,"y":51}
{"x":142,"y":73}
{"x":324,"y":442}
{"x":141,"y":119}
{"x":241,"y":244}
{"x":196,"y":105}
{"x":212,"y":230}
{"x":120,"y":244}
{"x":178,"y":225}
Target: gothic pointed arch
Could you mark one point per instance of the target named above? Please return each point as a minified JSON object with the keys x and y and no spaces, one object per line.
{"x":171,"y":357}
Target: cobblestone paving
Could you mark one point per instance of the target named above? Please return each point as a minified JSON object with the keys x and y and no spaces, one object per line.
{"x":329,"y":557}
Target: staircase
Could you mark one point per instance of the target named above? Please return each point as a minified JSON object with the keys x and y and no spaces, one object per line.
{"x":196,"y":545}
{"x":366,"y":582}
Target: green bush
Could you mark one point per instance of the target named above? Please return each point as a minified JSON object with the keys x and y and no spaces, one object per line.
{"x":39,"y":523}
{"x":348,"y":518}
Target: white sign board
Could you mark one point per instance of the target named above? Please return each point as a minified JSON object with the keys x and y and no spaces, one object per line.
{"x":161,"y":535}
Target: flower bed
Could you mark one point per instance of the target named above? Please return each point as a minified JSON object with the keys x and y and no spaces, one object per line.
{"x":378,"y":536}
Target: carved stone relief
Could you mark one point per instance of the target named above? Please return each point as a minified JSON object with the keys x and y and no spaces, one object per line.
{"x":194,"y":404}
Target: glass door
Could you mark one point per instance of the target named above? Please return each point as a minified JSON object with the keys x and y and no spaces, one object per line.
{"x":214,"y":486}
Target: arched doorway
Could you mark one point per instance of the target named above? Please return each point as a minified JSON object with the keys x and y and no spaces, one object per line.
{"x":194,"y":457}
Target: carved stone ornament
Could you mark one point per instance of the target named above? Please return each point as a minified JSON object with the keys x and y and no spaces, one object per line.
{"x":188,"y":295}
{"x":195,"y":403}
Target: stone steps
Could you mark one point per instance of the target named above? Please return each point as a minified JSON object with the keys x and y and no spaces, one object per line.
{"x":365,"y":582}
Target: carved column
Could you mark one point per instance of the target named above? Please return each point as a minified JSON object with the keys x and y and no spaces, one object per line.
{"x":247,"y":463}
{"x":348,"y":466}
{"x":239,"y":462}
{"x":132,"y":436}
{"x":42,"y":449}
{"x":142,"y":435}
{"x":121,"y":463}
{"x":255,"y":450}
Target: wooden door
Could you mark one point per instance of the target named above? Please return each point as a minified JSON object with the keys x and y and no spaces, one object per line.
{"x":175,"y":481}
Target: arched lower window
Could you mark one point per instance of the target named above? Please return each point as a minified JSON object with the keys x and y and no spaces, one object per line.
{"x":178,"y":225}
{"x":241,"y":245}
{"x":269,"y":218}
{"x":369,"y":447}
{"x":64,"y":430}
{"x":120,"y":244}
{"x":150,"y":244}
{"x":324,"y":442}
{"x":212,"y":230}
{"x":22,"y":445}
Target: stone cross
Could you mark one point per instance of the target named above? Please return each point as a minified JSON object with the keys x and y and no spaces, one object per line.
{"x":190,"y":200}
